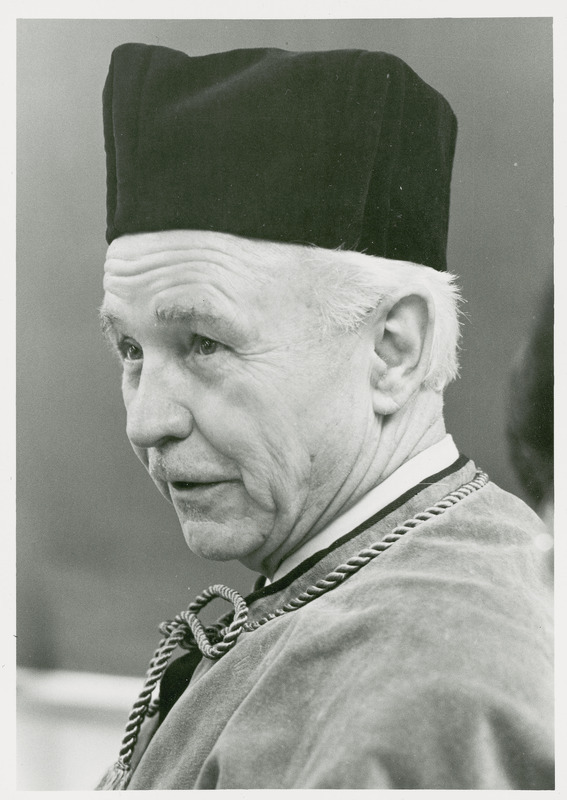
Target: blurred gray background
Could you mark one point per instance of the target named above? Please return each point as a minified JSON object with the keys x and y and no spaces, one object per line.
{"x":101,"y":560}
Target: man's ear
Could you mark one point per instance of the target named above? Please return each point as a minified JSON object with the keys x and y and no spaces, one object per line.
{"x":403,"y":336}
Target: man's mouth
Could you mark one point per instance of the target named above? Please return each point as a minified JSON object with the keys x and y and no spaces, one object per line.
{"x":197,"y":486}
{"x":185,"y":485}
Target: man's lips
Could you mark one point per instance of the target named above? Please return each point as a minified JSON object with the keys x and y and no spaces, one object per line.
{"x":185,"y":485}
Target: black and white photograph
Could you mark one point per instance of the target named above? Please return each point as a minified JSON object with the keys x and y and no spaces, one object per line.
{"x":285,"y":403}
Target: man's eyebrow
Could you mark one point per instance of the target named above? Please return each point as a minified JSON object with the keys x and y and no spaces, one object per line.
{"x":108,"y":321}
{"x":177,"y":313}
{"x":190,"y":315}
{"x":172,"y":314}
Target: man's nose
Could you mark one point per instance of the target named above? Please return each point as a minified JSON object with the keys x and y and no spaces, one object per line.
{"x":157,"y":411}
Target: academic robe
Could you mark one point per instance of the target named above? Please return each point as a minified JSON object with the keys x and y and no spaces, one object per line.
{"x":429,"y":668}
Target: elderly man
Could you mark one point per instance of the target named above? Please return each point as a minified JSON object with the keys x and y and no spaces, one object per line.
{"x":275,"y":290}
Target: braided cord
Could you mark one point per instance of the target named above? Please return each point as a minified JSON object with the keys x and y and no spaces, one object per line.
{"x":141,"y":707}
{"x":363,"y":557}
{"x":187,"y":631}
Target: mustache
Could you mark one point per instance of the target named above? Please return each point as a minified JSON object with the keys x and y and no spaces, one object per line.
{"x":175,"y":466}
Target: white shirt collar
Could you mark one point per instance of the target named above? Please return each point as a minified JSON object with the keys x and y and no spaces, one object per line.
{"x":431,"y":460}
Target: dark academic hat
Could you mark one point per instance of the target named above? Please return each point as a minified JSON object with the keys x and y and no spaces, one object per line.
{"x":346,"y":148}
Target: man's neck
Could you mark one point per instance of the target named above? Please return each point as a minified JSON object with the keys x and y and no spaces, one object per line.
{"x":394,"y":440}
{"x":426,"y":463}
{"x":405,"y":435}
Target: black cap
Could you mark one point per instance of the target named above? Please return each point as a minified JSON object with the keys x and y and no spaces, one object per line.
{"x":346,"y":148}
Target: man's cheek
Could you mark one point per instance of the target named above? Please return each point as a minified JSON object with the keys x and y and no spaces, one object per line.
{"x":232,"y":430}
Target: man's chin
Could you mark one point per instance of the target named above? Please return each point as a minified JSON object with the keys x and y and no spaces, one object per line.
{"x":221,"y":542}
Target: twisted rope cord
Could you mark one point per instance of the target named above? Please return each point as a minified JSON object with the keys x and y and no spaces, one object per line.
{"x":187,"y":631}
{"x":363,"y":557}
{"x":140,"y":708}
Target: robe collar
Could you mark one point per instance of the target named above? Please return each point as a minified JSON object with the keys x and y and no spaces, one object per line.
{"x":429,"y":461}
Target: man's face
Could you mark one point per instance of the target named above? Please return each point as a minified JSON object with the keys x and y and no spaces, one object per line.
{"x":248,"y":419}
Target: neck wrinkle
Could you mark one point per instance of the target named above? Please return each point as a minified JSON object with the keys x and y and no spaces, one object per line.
{"x":420,"y":425}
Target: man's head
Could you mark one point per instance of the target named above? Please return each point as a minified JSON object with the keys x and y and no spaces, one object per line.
{"x":269,"y":383}
{"x":257,"y":378}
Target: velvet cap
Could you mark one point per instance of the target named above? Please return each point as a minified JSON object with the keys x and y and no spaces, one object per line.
{"x":344,"y":148}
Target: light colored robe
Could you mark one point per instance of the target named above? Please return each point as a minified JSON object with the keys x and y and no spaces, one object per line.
{"x":430,"y":668}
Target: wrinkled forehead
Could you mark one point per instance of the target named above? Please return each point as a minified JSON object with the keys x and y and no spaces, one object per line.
{"x":136,"y":254}
{"x":204,"y":269}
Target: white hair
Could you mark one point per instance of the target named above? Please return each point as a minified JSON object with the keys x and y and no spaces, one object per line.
{"x":348,"y":286}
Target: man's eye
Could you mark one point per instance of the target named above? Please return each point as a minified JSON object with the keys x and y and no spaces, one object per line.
{"x":205,"y":346}
{"x":130,"y":351}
